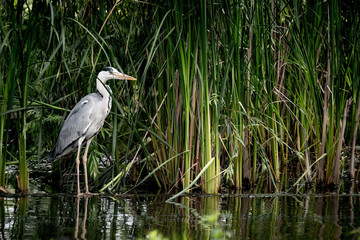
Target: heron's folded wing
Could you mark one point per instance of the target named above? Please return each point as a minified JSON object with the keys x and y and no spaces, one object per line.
{"x":76,"y":124}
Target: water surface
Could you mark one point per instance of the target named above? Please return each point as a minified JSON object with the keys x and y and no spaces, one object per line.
{"x":192,"y":217}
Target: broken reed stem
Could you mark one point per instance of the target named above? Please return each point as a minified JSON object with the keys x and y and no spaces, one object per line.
{"x":334,"y":178}
{"x":356,"y":127}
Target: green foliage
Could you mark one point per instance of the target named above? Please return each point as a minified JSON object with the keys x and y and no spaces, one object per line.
{"x":251,"y":92}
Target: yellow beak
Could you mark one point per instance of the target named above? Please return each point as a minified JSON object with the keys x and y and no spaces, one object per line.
{"x":124,"y":77}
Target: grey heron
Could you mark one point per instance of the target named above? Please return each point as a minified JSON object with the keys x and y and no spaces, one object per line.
{"x":85,"y":121}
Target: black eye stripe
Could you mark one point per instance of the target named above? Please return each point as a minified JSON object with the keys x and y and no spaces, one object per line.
{"x":108,"y":69}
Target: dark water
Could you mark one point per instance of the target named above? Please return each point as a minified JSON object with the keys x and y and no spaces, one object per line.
{"x":196,"y":217}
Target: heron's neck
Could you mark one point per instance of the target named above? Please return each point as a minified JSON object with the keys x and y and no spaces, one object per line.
{"x":100,"y":85}
{"x":106,"y":98}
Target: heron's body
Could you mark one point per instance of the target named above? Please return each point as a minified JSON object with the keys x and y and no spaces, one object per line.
{"x":83,"y":125}
{"x":86,"y":120}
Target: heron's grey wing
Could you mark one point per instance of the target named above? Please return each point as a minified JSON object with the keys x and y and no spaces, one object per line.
{"x":75,"y":125}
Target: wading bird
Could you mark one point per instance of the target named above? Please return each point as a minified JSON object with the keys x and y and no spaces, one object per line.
{"x":85,"y":121}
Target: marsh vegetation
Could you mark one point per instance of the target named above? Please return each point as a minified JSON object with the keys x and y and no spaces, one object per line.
{"x":230,"y":94}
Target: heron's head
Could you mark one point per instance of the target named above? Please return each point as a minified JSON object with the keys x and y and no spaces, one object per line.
{"x":111,"y":73}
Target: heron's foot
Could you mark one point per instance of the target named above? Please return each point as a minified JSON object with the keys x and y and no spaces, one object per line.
{"x":80,"y":194}
{"x":87,"y":194}
{"x":91,"y":194}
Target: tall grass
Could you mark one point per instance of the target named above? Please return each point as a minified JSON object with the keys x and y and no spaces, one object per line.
{"x":241,"y":94}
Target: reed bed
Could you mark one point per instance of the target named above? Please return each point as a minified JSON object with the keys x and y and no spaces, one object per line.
{"x":259,"y":95}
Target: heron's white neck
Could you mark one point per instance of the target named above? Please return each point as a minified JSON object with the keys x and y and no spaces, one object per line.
{"x":104,"y":90}
{"x":100,"y":85}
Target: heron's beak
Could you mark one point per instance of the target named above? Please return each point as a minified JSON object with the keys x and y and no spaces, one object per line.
{"x":124,"y":77}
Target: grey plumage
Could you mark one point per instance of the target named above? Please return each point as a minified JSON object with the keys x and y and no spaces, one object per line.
{"x":86,"y":120}
{"x":77,"y":125}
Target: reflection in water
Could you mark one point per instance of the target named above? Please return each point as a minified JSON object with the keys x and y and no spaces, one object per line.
{"x":210,"y":210}
{"x":83,"y":224}
{"x":240,"y":208}
{"x":202,"y":217}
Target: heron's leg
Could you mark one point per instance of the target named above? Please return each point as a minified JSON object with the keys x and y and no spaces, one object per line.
{"x":85,"y":164}
{"x":78,"y":164}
